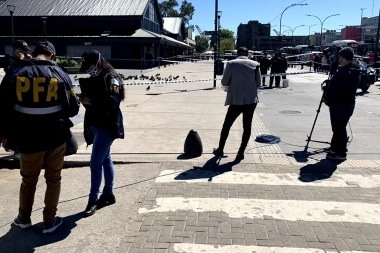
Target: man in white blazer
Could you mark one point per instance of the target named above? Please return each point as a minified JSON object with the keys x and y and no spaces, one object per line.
{"x":243,"y":78}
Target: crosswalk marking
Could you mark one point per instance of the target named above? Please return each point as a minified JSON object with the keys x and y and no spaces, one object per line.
{"x":322,"y":211}
{"x":197,"y":176}
{"x":196,"y":248}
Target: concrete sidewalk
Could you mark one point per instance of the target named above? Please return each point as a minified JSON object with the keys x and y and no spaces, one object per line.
{"x":169,"y":203}
{"x":157,"y":121}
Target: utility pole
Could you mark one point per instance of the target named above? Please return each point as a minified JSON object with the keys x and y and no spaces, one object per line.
{"x":361,"y":23}
{"x":215,"y":40}
{"x":377,"y":39}
{"x":44,"y":24}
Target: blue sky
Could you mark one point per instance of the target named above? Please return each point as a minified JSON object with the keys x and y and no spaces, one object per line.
{"x":235,"y":12}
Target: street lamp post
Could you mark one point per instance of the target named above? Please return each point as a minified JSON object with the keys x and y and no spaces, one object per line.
{"x":322,"y":24}
{"x":292,"y":30}
{"x":215,"y":40}
{"x":281,"y":19}
{"x":219,"y":15}
{"x":11,"y":9}
{"x":309,"y":31}
{"x":361,"y":23}
{"x":44,"y":24}
{"x":377,"y":39}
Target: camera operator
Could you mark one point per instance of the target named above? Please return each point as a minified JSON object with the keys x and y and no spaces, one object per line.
{"x":340,"y":97}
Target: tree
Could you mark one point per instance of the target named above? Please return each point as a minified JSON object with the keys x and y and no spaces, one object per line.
{"x":202,"y":44}
{"x":186,"y":11}
{"x":224,"y":34}
{"x":168,"y":8}
{"x":227,"y":44}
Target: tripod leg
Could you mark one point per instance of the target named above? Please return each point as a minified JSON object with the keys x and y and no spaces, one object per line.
{"x":315,"y":121}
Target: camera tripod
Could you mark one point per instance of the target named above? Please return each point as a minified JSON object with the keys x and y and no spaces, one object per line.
{"x":324,"y":87}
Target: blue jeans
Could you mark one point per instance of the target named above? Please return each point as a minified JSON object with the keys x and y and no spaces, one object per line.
{"x":339,"y":116}
{"x":101,"y":163}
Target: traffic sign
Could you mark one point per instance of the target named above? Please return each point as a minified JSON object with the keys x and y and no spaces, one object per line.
{"x":208,"y":33}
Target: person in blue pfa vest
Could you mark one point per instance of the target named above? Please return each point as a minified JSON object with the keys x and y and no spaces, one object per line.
{"x":36,"y":101}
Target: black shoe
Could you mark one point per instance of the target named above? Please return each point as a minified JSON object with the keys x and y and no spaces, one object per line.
{"x":22,"y":223}
{"x":50,"y":227}
{"x":90,"y":209}
{"x":218,"y":152}
{"x":329,"y":149}
{"x":335,"y":156}
{"x":239,"y":156}
{"x":105,"y":200}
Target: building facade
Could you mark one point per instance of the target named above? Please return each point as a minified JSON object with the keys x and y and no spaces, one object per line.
{"x":248,"y":34}
{"x":352,"y":33}
{"x":330,"y":35}
{"x":369,"y":26}
{"x":114,"y":27}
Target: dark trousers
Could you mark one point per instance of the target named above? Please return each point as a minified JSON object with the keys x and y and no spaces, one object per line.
{"x":233,"y":112}
{"x":277,"y":78}
{"x":339,"y":117}
{"x":263,"y":72}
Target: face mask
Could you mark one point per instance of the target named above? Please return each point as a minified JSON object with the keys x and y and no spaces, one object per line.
{"x":94,"y":72}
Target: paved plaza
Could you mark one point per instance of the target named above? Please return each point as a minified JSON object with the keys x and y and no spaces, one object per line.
{"x":284,"y":197}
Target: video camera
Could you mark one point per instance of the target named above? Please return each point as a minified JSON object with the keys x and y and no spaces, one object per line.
{"x":332,"y":54}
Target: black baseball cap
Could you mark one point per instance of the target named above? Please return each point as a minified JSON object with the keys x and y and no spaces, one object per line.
{"x":21,"y":44}
{"x":89,"y":58}
{"x":45,"y":44}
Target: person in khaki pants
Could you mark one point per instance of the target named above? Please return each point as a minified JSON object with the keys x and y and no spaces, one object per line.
{"x":36,"y":101}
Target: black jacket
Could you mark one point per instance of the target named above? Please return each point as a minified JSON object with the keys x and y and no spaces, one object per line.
{"x":104,"y":111}
{"x":264,"y":65}
{"x":343,"y":86}
{"x":276,"y":64}
{"x":9,"y":61}
{"x":36,"y":101}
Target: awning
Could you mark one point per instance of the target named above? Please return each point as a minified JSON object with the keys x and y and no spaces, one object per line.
{"x":166,"y":40}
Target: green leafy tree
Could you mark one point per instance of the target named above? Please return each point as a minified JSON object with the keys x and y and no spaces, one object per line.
{"x":224,"y":34}
{"x":202,"y":44}
{"x":227,"y":44}
{"x":169,"y":8}
{"x":186,"y":11}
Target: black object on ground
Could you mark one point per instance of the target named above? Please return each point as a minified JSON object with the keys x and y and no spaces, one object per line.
{"x":193,"y":145}
{"x":267,"y":138}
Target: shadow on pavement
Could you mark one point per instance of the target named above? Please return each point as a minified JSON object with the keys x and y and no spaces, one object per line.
{"x":209,"y":170}
{"x":362,"y":93}
{"x":11,"y":164}
{"x":28,"y":239}
{"x":176,"y":91}
{"x":305,"y":156}
{"x":321,"y":170}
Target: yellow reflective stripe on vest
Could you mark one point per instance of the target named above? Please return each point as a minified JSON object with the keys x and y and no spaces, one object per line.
{"x":37,"y":111}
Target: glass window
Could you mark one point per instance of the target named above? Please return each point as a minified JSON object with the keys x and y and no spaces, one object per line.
{"x":151,"y":11}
